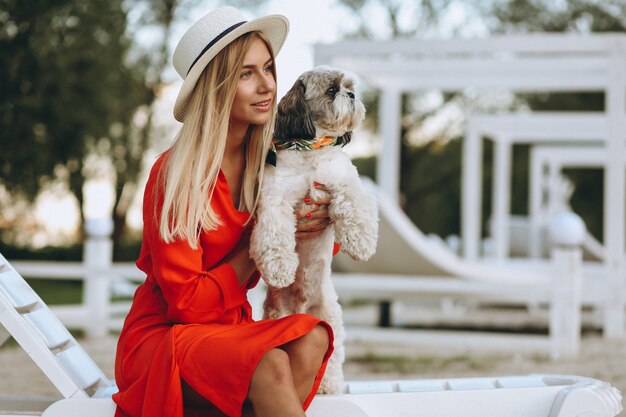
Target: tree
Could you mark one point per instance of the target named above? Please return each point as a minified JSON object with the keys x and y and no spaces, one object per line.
{"x":66,"y":86}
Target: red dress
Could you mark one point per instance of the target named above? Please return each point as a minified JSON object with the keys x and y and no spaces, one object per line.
{"x":191,"y":320}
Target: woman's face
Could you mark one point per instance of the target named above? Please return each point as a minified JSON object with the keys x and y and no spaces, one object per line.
{"x":256,"y":87}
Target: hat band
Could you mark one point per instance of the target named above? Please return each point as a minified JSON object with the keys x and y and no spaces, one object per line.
{"x":216,"y":39}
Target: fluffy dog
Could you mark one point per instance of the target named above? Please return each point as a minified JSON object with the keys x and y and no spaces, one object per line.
{"x":318,"y":113}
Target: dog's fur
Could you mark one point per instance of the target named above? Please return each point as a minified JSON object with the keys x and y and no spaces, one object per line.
{"x":321,"y":103}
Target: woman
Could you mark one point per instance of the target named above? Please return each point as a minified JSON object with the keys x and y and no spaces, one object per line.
{"x":189,"y":346}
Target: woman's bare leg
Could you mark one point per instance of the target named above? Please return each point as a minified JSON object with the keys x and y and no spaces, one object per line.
{"x":282,"y":380}
{"x":272,"y":391}
{"x":305,"y":357}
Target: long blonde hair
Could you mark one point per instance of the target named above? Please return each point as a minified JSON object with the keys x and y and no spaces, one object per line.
{"x":192,"y":166}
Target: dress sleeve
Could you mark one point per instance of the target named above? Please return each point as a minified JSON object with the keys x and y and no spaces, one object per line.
{"x":192,"y":294}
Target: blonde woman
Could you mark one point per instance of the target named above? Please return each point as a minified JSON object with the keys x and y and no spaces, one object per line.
{"x":189,"y":346}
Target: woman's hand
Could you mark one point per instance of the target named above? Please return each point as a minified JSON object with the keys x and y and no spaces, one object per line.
{"x":313,"y":217}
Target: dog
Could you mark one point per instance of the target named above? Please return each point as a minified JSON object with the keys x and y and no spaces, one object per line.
{"x":314,"y":120}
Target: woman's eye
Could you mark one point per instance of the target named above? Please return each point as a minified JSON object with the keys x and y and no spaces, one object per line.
{"x":246,"y":74}
{"x":268,"y":68}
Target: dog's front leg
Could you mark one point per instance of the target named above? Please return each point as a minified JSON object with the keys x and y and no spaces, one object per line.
{"x":273,"y":239}
{"x":353,"y":209}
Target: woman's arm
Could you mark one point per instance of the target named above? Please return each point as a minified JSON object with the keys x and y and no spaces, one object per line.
{"x":192,"y":294}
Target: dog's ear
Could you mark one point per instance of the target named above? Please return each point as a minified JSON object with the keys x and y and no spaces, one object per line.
{"x":345,"y":139}
{"x":293,"y":118}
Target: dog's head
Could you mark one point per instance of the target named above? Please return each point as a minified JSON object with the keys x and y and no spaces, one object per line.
{"x":322,"y":102}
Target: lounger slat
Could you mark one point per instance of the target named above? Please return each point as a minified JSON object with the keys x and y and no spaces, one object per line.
{"x":53,"y":332}
{"x":80,"y":366}
{"x":22,"y":297}
{"x":421,"y":385}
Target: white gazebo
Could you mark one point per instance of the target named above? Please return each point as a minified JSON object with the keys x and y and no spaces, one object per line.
{"x":530,"y":63}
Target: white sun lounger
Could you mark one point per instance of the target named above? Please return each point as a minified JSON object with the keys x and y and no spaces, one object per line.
{"x":526,"y":396}
{"x":87,"y":391}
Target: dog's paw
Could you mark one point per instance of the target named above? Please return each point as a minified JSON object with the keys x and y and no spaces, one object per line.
{"x":281,"y":272}
{"x":360,"y":247}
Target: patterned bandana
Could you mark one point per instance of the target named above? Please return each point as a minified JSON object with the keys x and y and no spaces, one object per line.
{"x":305,"y":144}
{"x":300,"y":145}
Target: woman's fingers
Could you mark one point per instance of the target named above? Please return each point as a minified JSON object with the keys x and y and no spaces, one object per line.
{"x":313,"y":211}
{"x":313,"y":217}
{"x":309,"y":230}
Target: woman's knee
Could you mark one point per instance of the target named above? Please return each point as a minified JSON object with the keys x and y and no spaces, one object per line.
{"x":273,"y":368}
{"x":317,"y":339}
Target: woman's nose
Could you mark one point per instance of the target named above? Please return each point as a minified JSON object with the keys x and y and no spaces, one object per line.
{"x":267,"y":84}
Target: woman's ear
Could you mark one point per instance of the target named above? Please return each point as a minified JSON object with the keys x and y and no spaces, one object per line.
{"x":293,"y":118}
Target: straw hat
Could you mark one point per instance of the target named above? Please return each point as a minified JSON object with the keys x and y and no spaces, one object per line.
{"x":211,"y":34}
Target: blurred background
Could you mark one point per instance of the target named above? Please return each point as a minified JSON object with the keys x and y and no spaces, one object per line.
{"x":86,"y":91}
{"x":86,"y":95}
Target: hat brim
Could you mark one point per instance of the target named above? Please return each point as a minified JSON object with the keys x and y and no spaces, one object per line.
{"x":275,"y":29}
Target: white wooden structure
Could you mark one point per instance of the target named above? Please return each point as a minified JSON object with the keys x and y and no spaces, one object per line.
{"x":87,"y":391}
{"x":411,"y":267}
{"x":530,"y":63}
{"x":96,"y":315}
{"x":506,"y":130}
{"x":546,"y":164}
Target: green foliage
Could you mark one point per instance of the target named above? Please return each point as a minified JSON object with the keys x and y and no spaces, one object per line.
{"x":514,"y":16}
{"x":424,"y":16}
{"x":65,"y":80}
{"x":68,"y":91}
{"x":128,"y":247}
{"x":58,"y":291}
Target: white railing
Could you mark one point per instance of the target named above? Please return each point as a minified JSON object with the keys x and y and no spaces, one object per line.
{"x":97,"y":314}
{"x":102,"y":279}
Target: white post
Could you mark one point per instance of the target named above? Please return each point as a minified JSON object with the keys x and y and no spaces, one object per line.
{"x":614,"y":200}
{"x":388,"y":166}
{"x":567,"y":231}
{"x":501,"y":203}
{"x":471,"y":192}
{"x":537,"y":187}
{"x":96,"y":290}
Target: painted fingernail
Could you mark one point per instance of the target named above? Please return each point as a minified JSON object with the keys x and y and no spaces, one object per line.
{"x":313,"y":229}
{"x":307,"y":200}
{"x":315,"y":183}
{"x":308,"y":215}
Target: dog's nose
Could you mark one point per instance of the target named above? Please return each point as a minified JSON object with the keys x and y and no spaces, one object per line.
{"x":351,"y":95}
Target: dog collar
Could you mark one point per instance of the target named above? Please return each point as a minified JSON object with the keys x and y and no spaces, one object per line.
{"x":301,"y":145}
{"x":305,"y":144}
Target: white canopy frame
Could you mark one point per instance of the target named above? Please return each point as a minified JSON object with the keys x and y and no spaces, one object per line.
{"x":529,"y":63}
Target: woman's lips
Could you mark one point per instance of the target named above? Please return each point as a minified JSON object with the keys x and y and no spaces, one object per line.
{"x":263,"y":105}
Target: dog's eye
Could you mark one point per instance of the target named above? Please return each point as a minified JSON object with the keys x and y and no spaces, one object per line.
{"x":332,"y":91}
